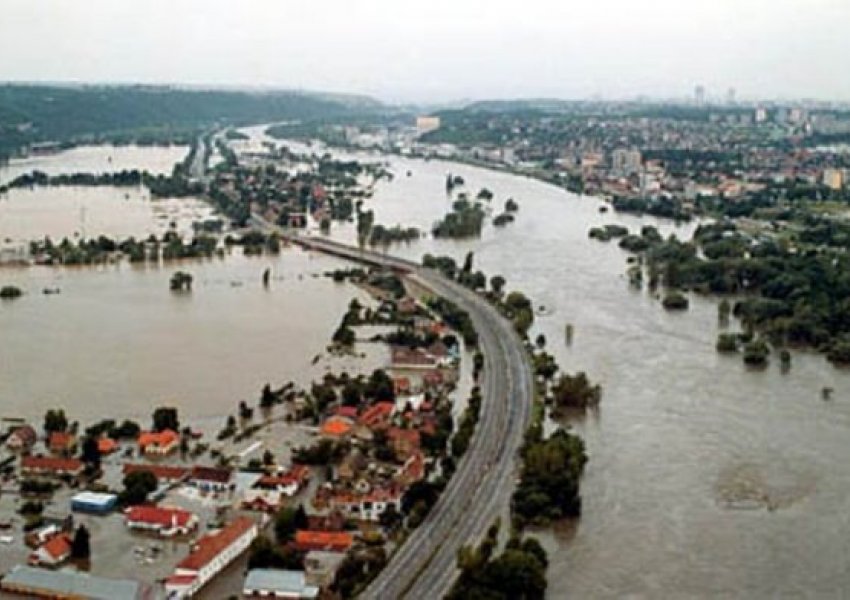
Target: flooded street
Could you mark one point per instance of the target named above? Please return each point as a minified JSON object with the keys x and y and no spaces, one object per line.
{"x":704,"y":478}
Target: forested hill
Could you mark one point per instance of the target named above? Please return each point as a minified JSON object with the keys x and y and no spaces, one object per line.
{"x":36,"y":113}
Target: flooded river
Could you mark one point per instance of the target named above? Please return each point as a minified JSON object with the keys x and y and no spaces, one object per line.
{"x":705,"y":479}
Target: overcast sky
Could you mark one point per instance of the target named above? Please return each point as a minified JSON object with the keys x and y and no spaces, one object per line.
{"x":440,"y":49}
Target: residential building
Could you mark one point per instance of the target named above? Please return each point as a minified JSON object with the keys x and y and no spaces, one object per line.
{"x":106,"y":445}
{"x":50,"y":466}
{"x":425,"y":124}
{"x":367,"y":507}
{"x":336,"y":427}
{"x":278,"y":583}
{"x":33,"y":582}
{"x":53,"y":552}
{"x":320,"y":567}
{"x":377,"y":415}
{"x":833,"y":178}
{"x":407,"y":358}
{"x":164,"y":474}
{"x":404,"y":442}
{"x":327,"y":541}
{"x":21,"y":438}
{"x":209,"y":556}
{"x":626,"y":162}
{"x":93,"y":502}
{"x":158,"y":443}
{"x":163,"y":521}
{"x":62,"y":442}
{"x":211,"y":478}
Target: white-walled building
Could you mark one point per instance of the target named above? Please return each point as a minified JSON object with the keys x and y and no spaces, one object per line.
{"x":210,"y":555}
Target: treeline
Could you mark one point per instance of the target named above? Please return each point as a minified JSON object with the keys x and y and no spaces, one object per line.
{"x":465,"y":220}
{"x":796,"y":295}
{"x":162,"y":186}
{"x":37,"y":113}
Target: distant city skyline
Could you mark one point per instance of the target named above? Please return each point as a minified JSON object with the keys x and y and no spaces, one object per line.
{"x":443,"y":51}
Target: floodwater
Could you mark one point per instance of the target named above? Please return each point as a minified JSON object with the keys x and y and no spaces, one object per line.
{"x":68,"y":211}
{"x":97,"y":159}
{"x":705,"y":478}
{"x":117,"y":342}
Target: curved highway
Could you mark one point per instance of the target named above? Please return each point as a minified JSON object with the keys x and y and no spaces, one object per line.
{"x":481,"y":488}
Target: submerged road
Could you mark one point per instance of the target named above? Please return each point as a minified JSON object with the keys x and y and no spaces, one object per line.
{"x":481,"y":488}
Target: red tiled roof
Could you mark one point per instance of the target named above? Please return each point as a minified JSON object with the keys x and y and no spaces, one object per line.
{"x":154,"y":515}
{"x":60,"y":440}
{"x":335,"y":426}
{"x":158,"y":438}
{"x":161,"y":471}
{"x":406,"y":356}
{"x":411,"y":436}
{"x":26,"y":434}
{"x":377,"y":413}
{"x":49,"y":463}
{"x":214,"y":474}
{"x":106,"y":445}
{"x":210,"y":546}
{"x":346,"y":411}
{"x":57,"y":547}
{"x":339,"y":541}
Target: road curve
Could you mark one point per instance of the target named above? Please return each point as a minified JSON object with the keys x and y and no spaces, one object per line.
{"x":481,"y":488}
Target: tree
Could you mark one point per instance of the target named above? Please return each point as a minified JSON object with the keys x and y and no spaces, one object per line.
{"x":467,"y":263}
{"x":127,"y":430}
{"x":576,"y":391}
{"x":264,"y":554}
{"x":55,"y":420}
{"x":181,"y":282}
{"x":80,"y":545}
{"x":287,"y":521}
{"x":245,"y":411}
{"x":497,"y":284}
{"x":137,"y":486}
{"x":165,"y":417}
{"x":267,"y":398}
{"x":91,"y":452}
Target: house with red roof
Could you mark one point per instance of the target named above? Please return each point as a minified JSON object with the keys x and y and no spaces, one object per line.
{"x":209,"y":556}
{"x":163,"y":473}
{"x":369,"y":506}
{"x":211,"y":478}
{"x":62,"y":442}
{"x":50,"y":466}
{"x":106,"y":445}
{"x":412,"y":471}
{"x":22,"y":438}
{"x":349,"y":412}
{"x":404,"y":442}
{"x":408,"y":358}
{"x":162,"y":521}
{"x":336,"y":427}
{"x":158,"y":443}
{"x":326,"y":541}
{"x":53,"y":552}
{"x":269,"y":491}
{"x":377,"y":415}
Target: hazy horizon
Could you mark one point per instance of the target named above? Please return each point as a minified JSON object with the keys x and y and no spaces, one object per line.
{"x":441,"y":53}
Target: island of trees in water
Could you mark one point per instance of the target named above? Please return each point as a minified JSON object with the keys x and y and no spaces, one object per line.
{"x":786,"y":291}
